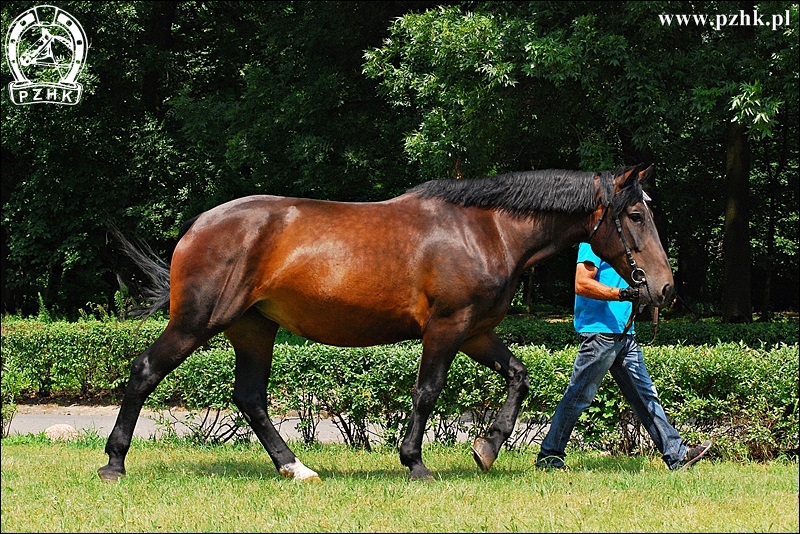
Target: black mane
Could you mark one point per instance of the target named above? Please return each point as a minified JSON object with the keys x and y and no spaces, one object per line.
{"x":525,"y":193}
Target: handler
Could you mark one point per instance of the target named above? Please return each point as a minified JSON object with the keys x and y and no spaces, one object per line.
{"x":603,"y":304}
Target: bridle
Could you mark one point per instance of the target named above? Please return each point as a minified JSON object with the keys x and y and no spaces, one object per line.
{"x":638,"y":276}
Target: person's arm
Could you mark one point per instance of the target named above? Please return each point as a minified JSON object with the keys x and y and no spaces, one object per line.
{"x":587,"y":286}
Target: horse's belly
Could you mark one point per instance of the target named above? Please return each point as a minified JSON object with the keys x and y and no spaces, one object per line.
{"x":341,"y":324}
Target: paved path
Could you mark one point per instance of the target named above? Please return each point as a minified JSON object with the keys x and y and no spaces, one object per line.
{"x":34,"y":419}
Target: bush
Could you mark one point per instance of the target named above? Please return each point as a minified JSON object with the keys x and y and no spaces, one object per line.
{"x":9,"y":393}
{"x":737,"y":393}
{"x":743,"y":393}
{"x":555,"y":334}
{"x":84,"y":358}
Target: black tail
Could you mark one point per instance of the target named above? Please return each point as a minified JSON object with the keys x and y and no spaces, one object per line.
{"x":156,"y":294}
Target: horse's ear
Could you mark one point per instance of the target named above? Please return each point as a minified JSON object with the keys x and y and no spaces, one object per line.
{"x":646,"y":174}
{"x":629,"y":174}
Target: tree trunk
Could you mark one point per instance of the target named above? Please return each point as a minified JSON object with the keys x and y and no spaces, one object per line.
{"x":690,"y":278}
{"x":157,"y":40}
{"x":736,"y":289}
{"x":772,"y":216}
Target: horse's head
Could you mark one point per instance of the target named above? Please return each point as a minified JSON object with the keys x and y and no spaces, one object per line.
{"x":624,"y":234}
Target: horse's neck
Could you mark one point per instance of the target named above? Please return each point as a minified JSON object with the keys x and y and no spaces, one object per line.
{"x":531,"y":240}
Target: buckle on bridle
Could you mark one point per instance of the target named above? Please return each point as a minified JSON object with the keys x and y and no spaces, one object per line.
{"x":638,"y":276}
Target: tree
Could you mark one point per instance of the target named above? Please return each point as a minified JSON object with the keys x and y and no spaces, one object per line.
{"x":188,"y":105}
{"x":67,"y":168}
{"x":194,"y":103}
{"x":626,"y":86}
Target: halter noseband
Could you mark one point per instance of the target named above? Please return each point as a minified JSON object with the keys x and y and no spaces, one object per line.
{"x":638,"y":276}
{"x":637,"y":273}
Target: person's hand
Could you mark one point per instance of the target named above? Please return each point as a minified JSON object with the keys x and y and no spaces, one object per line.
{"x":629,"y":293}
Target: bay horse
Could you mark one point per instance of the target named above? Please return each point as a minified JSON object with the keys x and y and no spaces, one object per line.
{"x":439,"y":263}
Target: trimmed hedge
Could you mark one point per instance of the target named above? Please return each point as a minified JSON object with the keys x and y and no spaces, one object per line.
{"x":84,"y":358}
{"x":742,"y":393}
{"x":523,"y":330}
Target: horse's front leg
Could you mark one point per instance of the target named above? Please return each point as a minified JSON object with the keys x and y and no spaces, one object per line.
{"x":488,"y":350}
{"x":438,"y":350}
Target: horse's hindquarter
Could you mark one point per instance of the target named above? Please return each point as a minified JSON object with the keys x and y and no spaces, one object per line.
{"x":345,"y":273}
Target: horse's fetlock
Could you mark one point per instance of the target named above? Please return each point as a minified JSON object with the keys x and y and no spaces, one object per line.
{"x":409,"y":457}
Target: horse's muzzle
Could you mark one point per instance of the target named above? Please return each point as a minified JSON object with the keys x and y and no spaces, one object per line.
{"x":664,"y":298}
{"x":656,"y":299}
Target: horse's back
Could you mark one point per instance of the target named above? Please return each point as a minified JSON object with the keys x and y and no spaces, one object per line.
{"x":340,"y":273}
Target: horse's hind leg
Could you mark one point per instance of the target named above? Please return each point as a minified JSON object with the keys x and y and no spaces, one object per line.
{"x":491,"y":352}
{"x":253,"y":338}
{"x":164,"y":355}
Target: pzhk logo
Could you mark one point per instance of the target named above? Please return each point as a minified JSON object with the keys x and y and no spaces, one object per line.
{"x":46,"y":50}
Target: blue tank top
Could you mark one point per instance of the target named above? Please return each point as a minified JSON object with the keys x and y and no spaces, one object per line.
{"x":604,"y":316}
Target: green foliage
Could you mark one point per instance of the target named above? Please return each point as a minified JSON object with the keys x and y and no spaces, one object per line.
{"x":755,"y":109}
{"x":180,"y":487}
{"x":84,"y":358}
{"x":357,"y":388}
{"x":522,"y":329}
{"x":457,"y":69}
{"x":10,"y":389}
{"x":743,"y":393}
{"x":44,"y":314}
{"x":191,"y":104}
{"x":204,"y":380}
{"x":747,"y":395}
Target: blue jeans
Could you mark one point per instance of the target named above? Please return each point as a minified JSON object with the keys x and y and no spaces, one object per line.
{"x":622,"y":356}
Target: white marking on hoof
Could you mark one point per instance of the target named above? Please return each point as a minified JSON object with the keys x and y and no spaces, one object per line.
{"x":298,"y":471}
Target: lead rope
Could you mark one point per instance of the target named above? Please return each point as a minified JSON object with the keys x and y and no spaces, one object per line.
{"x":655,"y":326}
{"x":655,"y":323}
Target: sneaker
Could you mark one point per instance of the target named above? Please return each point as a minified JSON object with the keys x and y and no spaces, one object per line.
{"x":694,"y":454}
{"x":550,"y":462}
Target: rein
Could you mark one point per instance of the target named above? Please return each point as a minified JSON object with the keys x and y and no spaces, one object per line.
{"x":637,"y":274}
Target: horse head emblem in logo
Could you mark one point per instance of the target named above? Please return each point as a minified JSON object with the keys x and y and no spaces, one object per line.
{"x":46,"y":49}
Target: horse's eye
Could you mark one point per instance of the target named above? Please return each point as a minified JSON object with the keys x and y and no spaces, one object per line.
{"x":636,"y":217}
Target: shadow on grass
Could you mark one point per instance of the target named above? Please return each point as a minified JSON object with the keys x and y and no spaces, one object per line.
{"x":244,"y":470}
{"x":631,"y":464}
{"x":258,"y":469}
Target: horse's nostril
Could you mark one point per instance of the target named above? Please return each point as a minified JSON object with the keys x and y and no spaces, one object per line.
{"x":667,"y":291}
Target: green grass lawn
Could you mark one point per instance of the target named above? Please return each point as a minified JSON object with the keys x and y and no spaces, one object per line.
{"x":172,"y":486}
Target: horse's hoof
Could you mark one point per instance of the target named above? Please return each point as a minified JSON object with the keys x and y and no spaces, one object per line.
{"x":483,"y":453}
{"x":421,"y":474}
{"x":109,"y":474}
{"x":299,"y":472}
